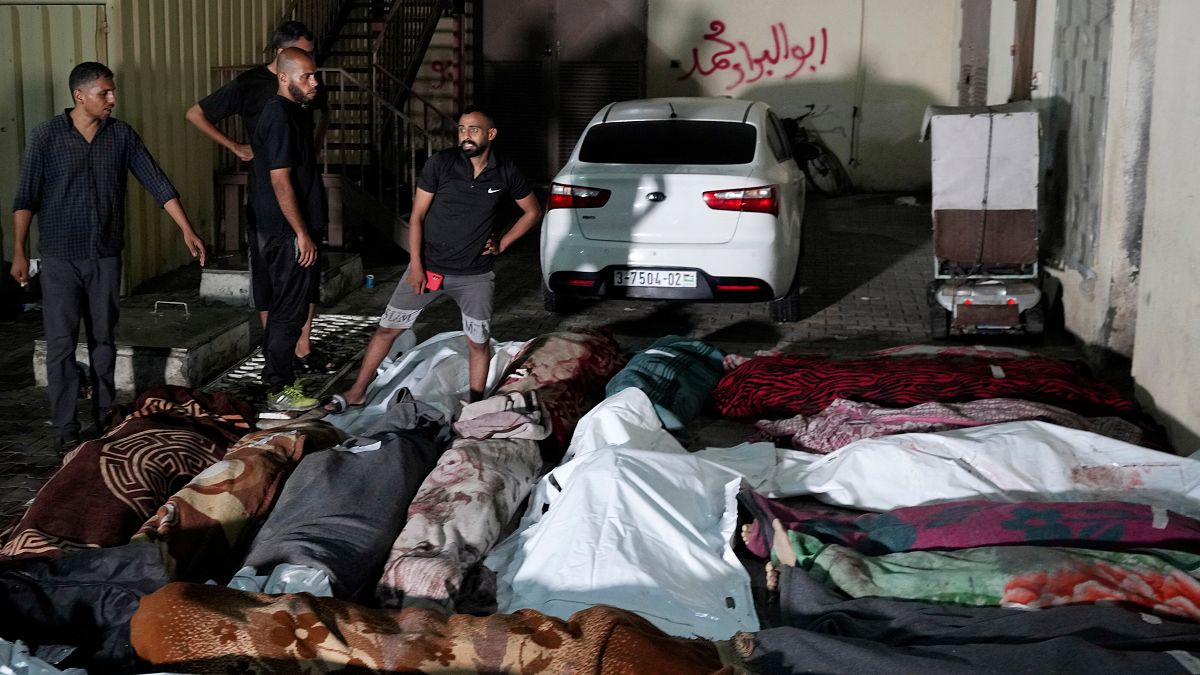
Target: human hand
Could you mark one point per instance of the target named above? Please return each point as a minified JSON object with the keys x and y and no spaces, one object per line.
{"x":20,"y":269}
{"x":306,"y":250}
{"x":416,"y":278}
{"x":195,"y":246}
{"x":491,"y":247}
{"x":243,"y":151}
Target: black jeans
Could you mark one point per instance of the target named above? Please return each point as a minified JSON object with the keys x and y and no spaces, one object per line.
{"x":291,"y":288}
{"x":72,"y":290}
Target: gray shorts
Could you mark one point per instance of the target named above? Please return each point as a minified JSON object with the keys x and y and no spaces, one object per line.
{"x":472,"y":293}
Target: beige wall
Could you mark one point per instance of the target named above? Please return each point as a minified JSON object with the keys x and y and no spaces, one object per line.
{"x":890,"y":58}
{"x":161,"y":52}
{"x":1166,"y":357}
{"x":41,"y":43}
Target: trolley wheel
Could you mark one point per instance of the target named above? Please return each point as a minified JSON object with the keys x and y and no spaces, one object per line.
{"x":939,"y":323}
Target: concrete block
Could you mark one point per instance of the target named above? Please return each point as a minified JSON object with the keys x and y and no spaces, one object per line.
{"x":226,"y":281}
{"x":168,"y":346}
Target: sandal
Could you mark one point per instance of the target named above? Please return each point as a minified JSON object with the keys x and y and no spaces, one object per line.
{"x":316,"y":361}
{"x":338,"y":404}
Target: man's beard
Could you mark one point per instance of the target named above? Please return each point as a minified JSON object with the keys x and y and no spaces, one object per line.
{"x":477,"y":151}
{"x":299,"y":96}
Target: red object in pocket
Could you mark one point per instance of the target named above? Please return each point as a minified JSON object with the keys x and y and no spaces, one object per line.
{"x":433,"y":281}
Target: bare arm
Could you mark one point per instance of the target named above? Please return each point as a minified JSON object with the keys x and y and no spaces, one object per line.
{"x":195,"y":115}
{"x":416,"y":234}
{"x":20,"y":265}
{"x":281,"y":183}
{"x":194,"y":243}
{"x":531,"y":213}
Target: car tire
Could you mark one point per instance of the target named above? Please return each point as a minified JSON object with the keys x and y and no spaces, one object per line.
{"x":553,"y":302}
{"x":786,"y":309}
{"x":939,"y":322}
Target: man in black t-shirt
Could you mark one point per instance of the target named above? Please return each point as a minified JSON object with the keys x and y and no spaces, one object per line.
{"x":289,"y":207}
{"x":451,"y":238}
{"x":245,"y":96}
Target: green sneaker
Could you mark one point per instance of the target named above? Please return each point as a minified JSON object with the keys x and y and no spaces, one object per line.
{"x":291,"y":399}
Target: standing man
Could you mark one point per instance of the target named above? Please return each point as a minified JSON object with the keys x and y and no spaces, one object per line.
{"x":245,"y":96}
{"x":451,"y":234}
{"x":289,"y":207}
{"x":73,"y":176}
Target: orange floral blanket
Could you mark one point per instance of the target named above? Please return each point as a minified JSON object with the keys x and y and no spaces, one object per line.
{"x":211,"y":629}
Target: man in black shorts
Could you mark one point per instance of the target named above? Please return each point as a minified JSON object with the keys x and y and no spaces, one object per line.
{"x":451,"y":234}
{"x":289,"y":205}
{"x":245,"y":96}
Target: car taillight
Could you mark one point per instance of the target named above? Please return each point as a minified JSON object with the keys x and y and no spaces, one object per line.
{"x":760,"y":200}
{"x":576,"y":197}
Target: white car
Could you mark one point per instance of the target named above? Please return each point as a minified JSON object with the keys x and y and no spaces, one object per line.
{"x":677,"y":199}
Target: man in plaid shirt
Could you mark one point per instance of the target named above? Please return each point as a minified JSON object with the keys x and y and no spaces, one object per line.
{"x":73,"y":178}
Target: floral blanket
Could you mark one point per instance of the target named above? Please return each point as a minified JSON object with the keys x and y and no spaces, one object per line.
{"x":211,"y":629}
{"x":569,"y":372}
{"x":110,"y":486}
{"x":456,"y":517}
{"x":1031,"y":577}
{"x":844,"y":422}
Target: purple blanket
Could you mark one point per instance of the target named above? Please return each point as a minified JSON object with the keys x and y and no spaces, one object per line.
{"x":1106,"y":525}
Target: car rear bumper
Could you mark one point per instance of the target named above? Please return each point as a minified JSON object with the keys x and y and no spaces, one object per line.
{"x":755,"y":258}
{"x":600,"y":284}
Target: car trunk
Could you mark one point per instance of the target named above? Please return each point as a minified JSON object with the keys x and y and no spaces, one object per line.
{"x":679,"y":215}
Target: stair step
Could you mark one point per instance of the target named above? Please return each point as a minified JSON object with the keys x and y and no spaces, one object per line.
{"x":354,"y":36}
{"x":349,"y":126}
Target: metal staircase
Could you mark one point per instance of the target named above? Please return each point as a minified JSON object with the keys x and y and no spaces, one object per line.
{"x":379,"y":130}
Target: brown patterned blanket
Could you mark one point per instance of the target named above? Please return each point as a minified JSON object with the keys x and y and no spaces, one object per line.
{"x":212,"y":629}
{"x":205,"y":527}
{"x":109,"y":486}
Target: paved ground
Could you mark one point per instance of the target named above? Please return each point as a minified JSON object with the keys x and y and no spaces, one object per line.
{"x":866,"y":267}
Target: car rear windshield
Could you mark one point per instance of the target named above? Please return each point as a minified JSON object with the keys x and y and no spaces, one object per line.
{"x":669,"y":142}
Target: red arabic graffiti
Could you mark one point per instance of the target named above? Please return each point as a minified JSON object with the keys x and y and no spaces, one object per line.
{"x":446,"y":70}
{"x":751,"y":66}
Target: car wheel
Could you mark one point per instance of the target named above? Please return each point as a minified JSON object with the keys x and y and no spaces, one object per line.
{"x":553,"y":302}
{"x":786,"y":309}
{"x":939,"y":323}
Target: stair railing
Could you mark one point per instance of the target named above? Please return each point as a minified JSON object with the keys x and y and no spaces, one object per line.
{"x":400,"y":47}
{"x":321,"y":17}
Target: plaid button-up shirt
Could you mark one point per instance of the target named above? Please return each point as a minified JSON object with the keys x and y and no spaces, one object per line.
{"x":77,"y":189}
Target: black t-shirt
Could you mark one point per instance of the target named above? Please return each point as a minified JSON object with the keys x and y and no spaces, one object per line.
{"x":283,"y":138}
{"x":245,"y":95}
{"x":463,"y":214}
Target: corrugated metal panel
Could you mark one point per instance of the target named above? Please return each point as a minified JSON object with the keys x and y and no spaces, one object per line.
{"x":42,"y":44}
{"x":162,"y":53}
{"x":585,"y":88}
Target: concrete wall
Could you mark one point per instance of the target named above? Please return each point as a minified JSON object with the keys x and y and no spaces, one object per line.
{"x":888,"y":59}
{"x":1165,"y":364}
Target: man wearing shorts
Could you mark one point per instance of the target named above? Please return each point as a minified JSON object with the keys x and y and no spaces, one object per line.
{"x":451,"y":234}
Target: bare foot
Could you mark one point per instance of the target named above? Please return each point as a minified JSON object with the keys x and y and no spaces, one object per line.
{"x":781,"y":545}
{"x":339,"y":403}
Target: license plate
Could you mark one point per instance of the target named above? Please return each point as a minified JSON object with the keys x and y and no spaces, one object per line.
{"x":654,"y":278}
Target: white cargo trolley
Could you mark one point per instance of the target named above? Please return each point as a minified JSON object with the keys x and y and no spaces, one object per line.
{"x":986,"y":275}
